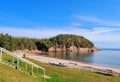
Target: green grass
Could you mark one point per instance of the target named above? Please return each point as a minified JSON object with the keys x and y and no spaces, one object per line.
{"x":57,"y":74}
{"x":9,"y":59}
{"x":9,"y":74}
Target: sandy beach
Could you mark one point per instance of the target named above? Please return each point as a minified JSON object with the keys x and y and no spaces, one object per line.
{"x":78,"y":65}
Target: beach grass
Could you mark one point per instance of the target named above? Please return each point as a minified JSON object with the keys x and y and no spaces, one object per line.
{"x":57,"y":74}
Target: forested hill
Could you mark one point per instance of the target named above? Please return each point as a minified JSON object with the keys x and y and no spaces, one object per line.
{"x":68,"y":40}
{"x":60,"y":41}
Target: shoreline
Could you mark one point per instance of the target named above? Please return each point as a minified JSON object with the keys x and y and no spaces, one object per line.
{"x":78,"y":65}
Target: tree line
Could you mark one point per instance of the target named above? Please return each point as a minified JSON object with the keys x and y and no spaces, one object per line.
{"x":63,"y":40}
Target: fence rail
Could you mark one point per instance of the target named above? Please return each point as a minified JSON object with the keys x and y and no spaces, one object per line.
{"x":19,"y":58}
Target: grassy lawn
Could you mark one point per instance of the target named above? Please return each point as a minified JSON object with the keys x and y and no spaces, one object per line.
{"x":9,"y":59}
{"x":9,"y":74}
{"x":57,"y":74}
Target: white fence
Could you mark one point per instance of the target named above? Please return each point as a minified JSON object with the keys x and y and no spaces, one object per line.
{"x":19,"y":58}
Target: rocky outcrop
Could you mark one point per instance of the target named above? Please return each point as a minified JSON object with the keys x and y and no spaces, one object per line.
{"x":84,"y":50}
{"x":58,"y":49}
{"x":51,"y":49}
{"x":95,"y":49}
{"x":74,"y":49}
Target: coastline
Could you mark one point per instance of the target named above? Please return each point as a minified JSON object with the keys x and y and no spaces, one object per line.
{"x":78,"y":65}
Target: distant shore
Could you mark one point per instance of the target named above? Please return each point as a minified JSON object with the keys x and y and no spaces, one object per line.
{"x":78,"y":65}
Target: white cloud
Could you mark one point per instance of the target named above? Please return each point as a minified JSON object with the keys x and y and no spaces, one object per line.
{"x":104,"y":34}
{"x":98,"y":20}
{"x":76,"y":24}
{"x":92,"y":19}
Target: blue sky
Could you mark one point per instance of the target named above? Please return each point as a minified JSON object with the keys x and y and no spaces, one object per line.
{"x":97,"y":20}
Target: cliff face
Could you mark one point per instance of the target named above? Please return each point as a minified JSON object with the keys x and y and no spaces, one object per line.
{"x":74,"y":49}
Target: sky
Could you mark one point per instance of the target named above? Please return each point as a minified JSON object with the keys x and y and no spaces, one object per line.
{"x":96,"y":20}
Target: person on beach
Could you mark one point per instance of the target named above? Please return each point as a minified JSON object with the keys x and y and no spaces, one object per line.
{"x":23,"y":55}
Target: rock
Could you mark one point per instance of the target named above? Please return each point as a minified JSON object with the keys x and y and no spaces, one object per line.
{"x":84,"y":50}
{"x":73,"y":49}
{"x":51,"y":49}
{"x":88,"y":50}
{"x":95,"y":49}
{"x":58,"y":49}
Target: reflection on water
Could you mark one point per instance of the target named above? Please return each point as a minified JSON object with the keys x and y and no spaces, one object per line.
{"x":75,"y":56}
{"x":104,"y":57}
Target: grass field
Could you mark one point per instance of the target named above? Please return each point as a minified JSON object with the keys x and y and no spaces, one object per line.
{"x":57,"y":74}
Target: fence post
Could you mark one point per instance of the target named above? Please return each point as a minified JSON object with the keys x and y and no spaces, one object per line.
{"x":0,"y":55}
{"x":17,"y":63}
{"x":32,"y":70}
{"x":44,"y":74}
{"x":37,"y":71}
{"x":13,"y":61}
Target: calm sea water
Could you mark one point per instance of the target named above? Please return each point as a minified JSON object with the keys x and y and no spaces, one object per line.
{"x":105,"y":57}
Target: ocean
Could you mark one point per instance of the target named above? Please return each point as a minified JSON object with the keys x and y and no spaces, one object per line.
{"x":104,"y":57}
